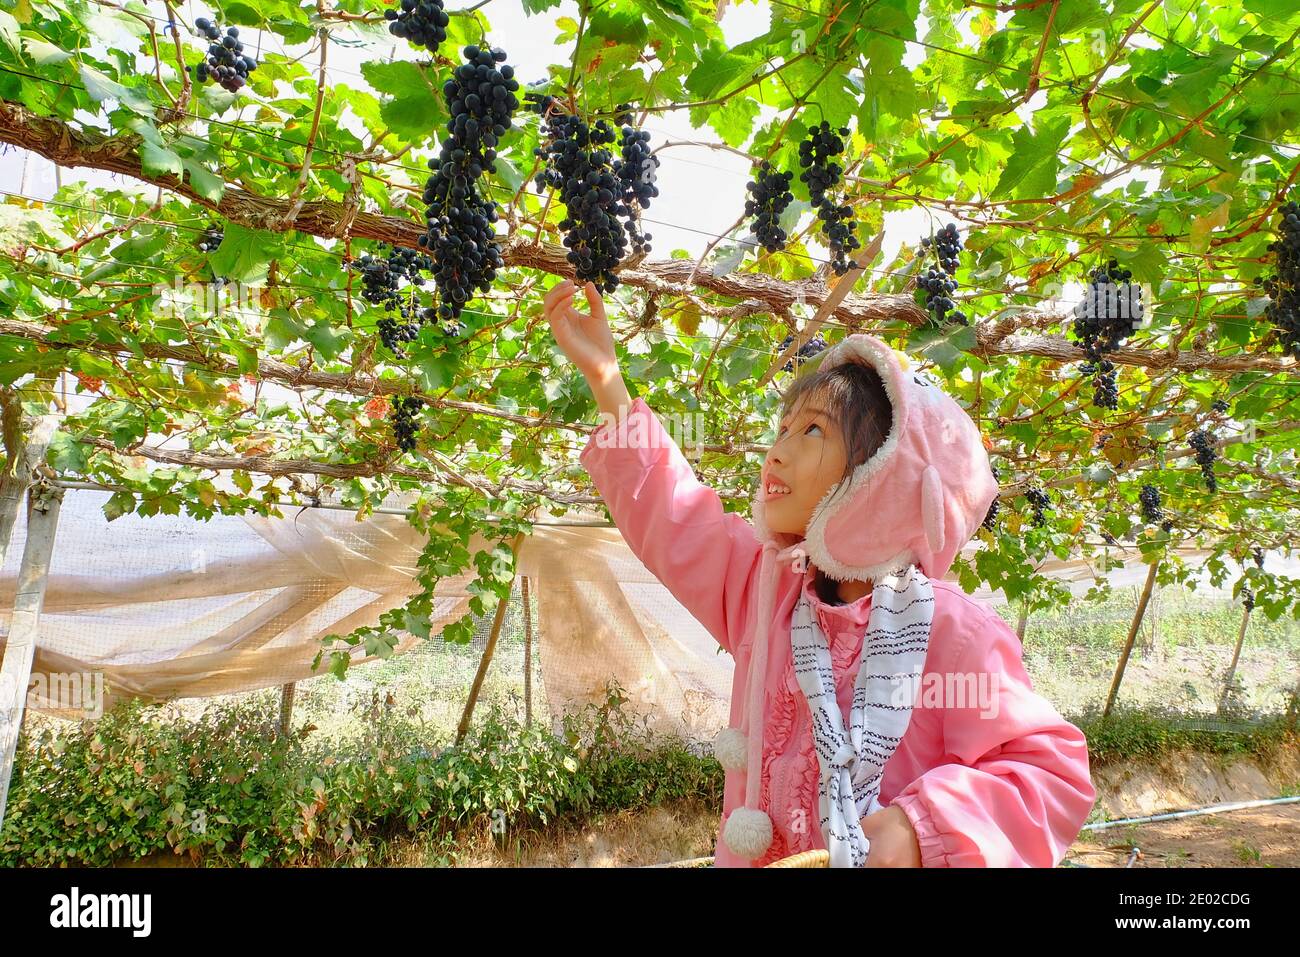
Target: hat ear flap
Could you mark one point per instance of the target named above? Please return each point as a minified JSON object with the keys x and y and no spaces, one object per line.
{"x":932,"y":509}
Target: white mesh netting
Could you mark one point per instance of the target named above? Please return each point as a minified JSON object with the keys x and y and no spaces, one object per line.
{"x":170,"y":607}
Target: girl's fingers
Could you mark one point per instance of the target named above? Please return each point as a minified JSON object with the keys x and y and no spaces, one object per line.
{"x":573,"y":315}
{"x":549,"y":297}
{"x":560,"y":306}
{"x":564,"y":287}
{"x":564,"y":309}
{"x":595,"y":302}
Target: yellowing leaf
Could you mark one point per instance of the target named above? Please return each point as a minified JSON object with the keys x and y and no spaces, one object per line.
{"x":687,"y":318}
{"x":1202,"y":226}
{"x":1040,"y":269}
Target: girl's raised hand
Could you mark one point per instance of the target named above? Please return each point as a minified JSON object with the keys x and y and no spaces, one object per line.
{"x":584,"y":337}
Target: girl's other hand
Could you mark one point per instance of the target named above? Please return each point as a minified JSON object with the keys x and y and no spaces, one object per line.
{"x":584,"y":337}
{"x":893,"y":841}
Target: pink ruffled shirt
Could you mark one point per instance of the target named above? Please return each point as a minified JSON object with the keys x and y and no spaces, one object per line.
{"x":997,"y":779}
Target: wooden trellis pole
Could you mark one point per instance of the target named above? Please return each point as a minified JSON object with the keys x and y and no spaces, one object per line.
{"x":528,"y":654}
{"x":1132,"y":634}
{"x":488,"y":652}
{"x":43,"y":501}
{"x":1150,"y":643}
{"x":1236,"y":656}
{"x":17,"y":474}
{"x":286,"y":708}
{"x":1293,"y":709}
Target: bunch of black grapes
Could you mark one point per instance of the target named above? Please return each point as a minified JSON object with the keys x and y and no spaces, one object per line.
{"x":1150,"y":500}
{"x":1039,"y":499}
{"x":225,"y":62}
{"x":817,"y":155}
{"x":771,"y":195}
{"x":462,"y":240}
{"x":602,"y":194}
{"x":404,"y":410}
{"x":382,"y":278}
{"x":806,"y":351}
{"x":1152,"y":512}
{"x":382,"y":281}
{"x":459,"y":232}
{"x":940,"y":283}
{"x":991,"y":517}
{"x":1247,"y":594}
{"x":636,"y":166}
{"x":580,"y":166}
{"x":1283,"y":287}
{"x":211,"y":238}
{"x":1202,"y":442}
{"x":423,"y":23}
{"x":1109,"y":313}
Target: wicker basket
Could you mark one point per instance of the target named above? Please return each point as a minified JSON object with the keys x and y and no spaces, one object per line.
{"x":816,"y":858}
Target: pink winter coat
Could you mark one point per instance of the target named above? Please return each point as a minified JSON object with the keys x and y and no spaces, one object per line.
{"x":1002,"y":781}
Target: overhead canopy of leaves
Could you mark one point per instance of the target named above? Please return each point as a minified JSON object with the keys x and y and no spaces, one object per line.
{"x":1056,"y":134}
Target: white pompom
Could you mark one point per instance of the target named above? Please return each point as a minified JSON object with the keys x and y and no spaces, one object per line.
{"x":748,"y":832}
{"x":731,"y":748}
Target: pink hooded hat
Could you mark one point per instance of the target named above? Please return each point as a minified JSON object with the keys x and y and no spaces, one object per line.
{"x":917,"y":500}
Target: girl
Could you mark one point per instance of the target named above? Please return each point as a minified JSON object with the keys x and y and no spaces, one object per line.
{"x":877,"y":711}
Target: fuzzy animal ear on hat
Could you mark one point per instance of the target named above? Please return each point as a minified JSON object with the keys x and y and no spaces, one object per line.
{"x":920,"y":497}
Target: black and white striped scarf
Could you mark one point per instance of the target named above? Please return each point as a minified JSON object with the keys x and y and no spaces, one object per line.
{"x":893,"y":656}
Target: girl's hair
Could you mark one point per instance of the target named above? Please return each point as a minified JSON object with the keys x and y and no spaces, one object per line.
{"x":854,"y":398}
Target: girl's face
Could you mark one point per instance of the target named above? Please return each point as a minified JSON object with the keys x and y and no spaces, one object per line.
{"x":806,"y":460}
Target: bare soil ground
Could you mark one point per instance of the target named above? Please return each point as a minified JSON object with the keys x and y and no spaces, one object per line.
{"x":1253,"y":837}
{"x":678,"y":832}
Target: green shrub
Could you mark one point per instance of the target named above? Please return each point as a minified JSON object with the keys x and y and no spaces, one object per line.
{"x":1154,"y":733}
{"x":226,"y":788}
